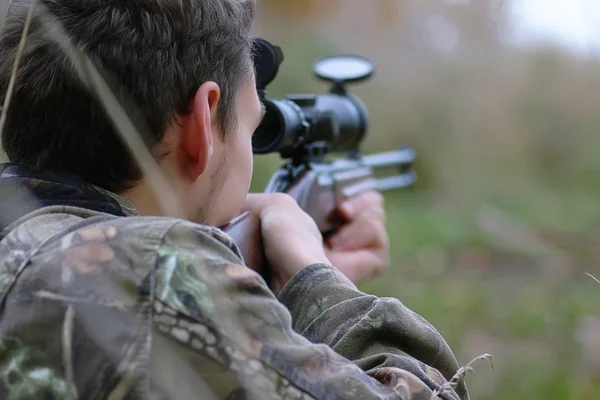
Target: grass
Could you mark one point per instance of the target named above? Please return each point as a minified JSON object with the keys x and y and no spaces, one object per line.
{"x":529,"y":324}
{"x":485,"y":297}
{"x":488,"y":297}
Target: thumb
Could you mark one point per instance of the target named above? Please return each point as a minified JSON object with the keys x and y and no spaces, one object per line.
{"x":255,"y":203}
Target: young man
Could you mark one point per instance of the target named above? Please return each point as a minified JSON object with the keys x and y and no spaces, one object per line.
{"x":103,"y":297}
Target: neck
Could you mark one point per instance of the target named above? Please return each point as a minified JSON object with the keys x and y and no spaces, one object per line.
{"x":143,"y":197}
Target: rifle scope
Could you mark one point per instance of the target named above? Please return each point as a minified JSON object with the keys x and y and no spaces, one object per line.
{"x":332,"y":122}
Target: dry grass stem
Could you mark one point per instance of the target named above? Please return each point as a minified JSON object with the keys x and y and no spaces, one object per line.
{"x":458,"y":376}
{"x":13,"y":76}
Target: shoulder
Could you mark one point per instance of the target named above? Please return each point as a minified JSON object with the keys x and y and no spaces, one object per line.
{"x":200,"y":239}
{"x":72,"y":251}
{"x":142,"y":245}
{"x":156,"y":234}
{"x":123,"y":274}
{"x":149,"y":236}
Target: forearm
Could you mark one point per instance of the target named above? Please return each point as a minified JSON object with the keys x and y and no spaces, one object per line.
{"x":373,"y":332}
{"x":203,"y":283}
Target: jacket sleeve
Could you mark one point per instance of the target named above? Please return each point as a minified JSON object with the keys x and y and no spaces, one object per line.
{"x":321,"y":339}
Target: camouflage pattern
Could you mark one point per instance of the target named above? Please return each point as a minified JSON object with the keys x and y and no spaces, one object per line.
{"x":100,"y":303}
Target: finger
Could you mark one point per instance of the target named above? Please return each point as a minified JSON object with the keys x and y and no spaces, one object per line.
{"x":367,"y":231}
{"x":354,"y":206}
{"x":359,"y":266}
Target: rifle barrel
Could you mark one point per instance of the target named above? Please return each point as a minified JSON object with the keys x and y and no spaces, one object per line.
{"x":389,"y":158}
{"x":396,"y":182}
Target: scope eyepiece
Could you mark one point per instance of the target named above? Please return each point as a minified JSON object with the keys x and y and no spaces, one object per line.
{"x":283,"y":123}
{"x":267,"y":59}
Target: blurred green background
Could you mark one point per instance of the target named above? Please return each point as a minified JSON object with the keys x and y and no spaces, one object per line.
{"x":493,"y":243}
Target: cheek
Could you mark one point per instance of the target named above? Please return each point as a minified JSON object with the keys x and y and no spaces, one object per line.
{"x":241,"y":174}
{"x":237,"y":176}
{"x":248,"y":163}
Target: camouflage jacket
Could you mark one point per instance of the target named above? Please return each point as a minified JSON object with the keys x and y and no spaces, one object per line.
{"x":101,"y":303}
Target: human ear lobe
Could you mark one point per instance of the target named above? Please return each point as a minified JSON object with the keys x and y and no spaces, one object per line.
{"x":197,"y":139}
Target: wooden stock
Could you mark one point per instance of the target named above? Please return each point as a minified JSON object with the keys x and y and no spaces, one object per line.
{"x":245,"y":232}
{"x":318,"y":203}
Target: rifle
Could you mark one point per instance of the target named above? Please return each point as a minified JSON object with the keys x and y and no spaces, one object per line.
{"x":304,"y":129}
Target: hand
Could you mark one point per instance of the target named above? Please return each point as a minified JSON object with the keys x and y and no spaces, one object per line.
{"x":291,"y":239}
{"x":360,"y":249}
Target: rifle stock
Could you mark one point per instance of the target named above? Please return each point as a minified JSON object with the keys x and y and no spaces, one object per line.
{"x":245,"y":232}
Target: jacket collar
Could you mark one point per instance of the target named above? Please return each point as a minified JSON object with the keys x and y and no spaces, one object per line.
{"x":23,"y":190}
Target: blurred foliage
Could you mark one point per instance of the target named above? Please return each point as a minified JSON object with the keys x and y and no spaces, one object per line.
{"x":492,"y":244}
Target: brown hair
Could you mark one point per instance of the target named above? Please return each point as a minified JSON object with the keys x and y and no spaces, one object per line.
{"x":158,"y":52}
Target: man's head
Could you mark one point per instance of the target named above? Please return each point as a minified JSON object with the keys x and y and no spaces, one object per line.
{"x":187,"y":67}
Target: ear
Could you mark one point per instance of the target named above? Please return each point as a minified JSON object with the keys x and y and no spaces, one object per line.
{"x":197,"y":141}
